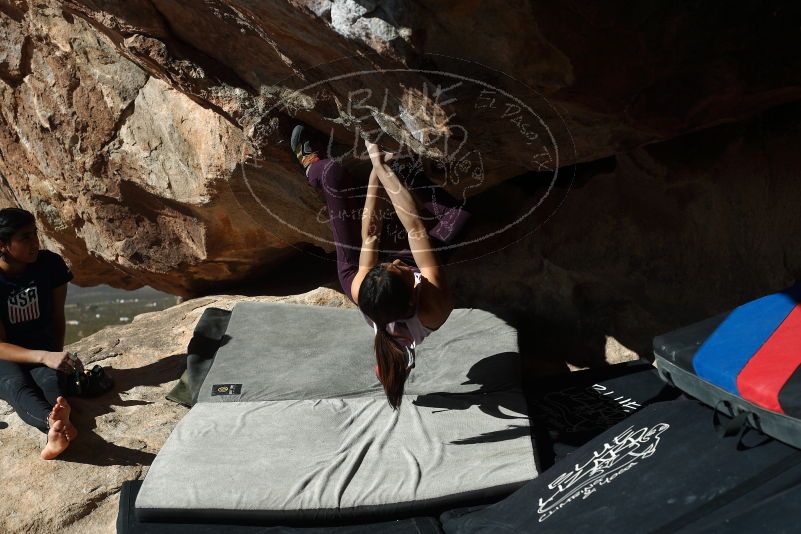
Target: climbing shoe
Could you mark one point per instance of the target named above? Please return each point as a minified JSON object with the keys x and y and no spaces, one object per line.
{"x":302,"y":143}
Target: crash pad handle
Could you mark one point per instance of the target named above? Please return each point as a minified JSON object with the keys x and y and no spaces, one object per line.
{"x":737,"y":425}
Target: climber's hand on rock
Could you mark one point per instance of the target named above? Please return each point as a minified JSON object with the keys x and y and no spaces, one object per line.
{"x":373,"y":151}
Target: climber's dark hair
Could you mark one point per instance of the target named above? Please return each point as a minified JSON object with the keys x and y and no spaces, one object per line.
{"x":11,"y":220}
{"x":384,"y":297}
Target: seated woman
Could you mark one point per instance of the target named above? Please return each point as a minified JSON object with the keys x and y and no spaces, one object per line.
{"x":406,"y":297}
{"x":33,"y":364}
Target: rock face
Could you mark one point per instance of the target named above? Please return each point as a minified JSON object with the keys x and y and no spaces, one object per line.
{"x":131,"y":180}
{"x":149,"y":136}
{"x":645,"y":242}
{"x":119,"y":433}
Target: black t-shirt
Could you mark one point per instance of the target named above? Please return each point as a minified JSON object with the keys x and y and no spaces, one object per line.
{"x":26,"y":301}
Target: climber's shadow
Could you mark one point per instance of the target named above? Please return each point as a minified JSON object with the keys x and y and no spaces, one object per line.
{"x":485,"y":374}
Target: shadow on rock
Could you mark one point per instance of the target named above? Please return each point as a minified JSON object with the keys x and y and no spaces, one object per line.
{"x":94,"y":449}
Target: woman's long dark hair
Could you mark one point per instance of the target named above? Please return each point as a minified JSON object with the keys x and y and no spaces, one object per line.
{"x":384,"y":297}
{"x":11,"y":220}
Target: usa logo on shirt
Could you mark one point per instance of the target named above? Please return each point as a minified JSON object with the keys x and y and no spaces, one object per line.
{"x":23,"y":305}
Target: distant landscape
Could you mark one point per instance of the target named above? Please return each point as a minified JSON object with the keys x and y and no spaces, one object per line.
{"x":88,"y":309}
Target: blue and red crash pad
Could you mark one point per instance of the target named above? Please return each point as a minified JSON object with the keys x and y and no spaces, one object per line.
{"x":749,"y":357}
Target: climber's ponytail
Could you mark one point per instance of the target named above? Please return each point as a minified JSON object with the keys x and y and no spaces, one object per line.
{"x":391,"y":359}
{"x":384,"y":297}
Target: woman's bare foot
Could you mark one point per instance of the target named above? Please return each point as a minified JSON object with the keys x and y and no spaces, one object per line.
{"x":61,"y":412}
{"x":57,"y":441}
{"x":61,"y":432}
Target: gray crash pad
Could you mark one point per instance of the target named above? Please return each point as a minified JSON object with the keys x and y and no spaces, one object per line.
{"x":290,"y":351}
{"x":300,"y":429}
{"x":338,"y":458}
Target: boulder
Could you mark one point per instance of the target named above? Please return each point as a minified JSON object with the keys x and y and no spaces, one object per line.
{"x":641,"y":243}
{"x":150,"y":136}
{"x":130,"y":179}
